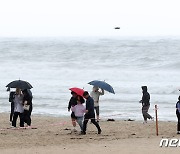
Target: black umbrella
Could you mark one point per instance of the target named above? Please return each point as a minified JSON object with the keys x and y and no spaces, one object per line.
{"x":19,"y":84}
{"x":103,"y":85}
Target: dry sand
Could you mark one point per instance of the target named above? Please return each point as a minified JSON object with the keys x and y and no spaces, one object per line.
{"x":53,"y":135}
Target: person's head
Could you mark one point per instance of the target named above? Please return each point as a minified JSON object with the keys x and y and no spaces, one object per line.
{"x":144,"y":89}
{"x":179,"y":98}
{"x":73,"y":94}
{"x":95,"y":89}
{"x":85,"y":94}
{"x":25,"y":92}
{"x":18,"y":91}
{"x":80,"y":99}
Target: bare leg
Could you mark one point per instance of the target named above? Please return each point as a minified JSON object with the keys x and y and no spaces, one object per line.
{"x":74,"y":122}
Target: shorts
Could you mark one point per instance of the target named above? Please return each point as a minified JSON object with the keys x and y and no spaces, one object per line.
{"x":73,"y":115}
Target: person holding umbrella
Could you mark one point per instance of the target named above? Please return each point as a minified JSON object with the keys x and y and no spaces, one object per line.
{"x":95,"y":94}
{"x":89,"y":113}
{"x":18,"y":108}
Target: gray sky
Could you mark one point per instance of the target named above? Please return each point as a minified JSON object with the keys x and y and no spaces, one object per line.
{"x":89,"y":17}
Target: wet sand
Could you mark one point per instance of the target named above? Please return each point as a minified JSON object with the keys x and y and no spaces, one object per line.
{"x":55,"y":135}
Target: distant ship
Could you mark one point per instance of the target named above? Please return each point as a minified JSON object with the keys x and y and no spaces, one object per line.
{"x":117,"y":28}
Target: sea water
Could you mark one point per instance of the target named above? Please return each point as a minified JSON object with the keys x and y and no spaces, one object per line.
{"x":53,"y":65}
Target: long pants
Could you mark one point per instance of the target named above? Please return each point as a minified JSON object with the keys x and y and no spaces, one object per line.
{"x":80,"y":122}
{"x":12,"y":111}
{"x":86,"y":119}
{"x":27,"y":117}
{"x":97,"y":110}
{"x":15,"y":116}
{"x":178,"y":116}
{"x":145,"y":113}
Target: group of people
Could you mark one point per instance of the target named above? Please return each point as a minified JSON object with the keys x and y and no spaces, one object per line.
{"x":82,"y":114}
{"x":21,"y":105}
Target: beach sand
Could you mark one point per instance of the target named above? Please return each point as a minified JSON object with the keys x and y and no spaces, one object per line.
{"x":53,"y":135}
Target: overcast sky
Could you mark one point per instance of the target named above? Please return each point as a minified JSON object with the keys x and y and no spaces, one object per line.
{"x":89,"y":17}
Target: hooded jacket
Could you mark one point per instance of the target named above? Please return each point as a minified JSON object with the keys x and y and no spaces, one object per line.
{"x":145,"y":97}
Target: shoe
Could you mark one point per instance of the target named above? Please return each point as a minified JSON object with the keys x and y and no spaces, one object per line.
{"x":74,"y":130}
{"x":83,"y":133}
{"x":152,"y":118}
{"x":99,"y":131}
{"x":12,"y":127}
{"x":145,"y":122}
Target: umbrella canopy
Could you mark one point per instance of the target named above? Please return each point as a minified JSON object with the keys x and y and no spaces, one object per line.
{"x":19,"y":84}
{"x":78,"y":91}
{"x":102,"y":85}
{"x":30,"y":93}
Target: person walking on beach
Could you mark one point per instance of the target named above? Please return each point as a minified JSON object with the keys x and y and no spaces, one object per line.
{"x":95,"y":93}
{"x":72,"y":103}
{"x":79,"y":111}
{"x":89,"y":113}
{"x":145,"y":104}
{"x":27,"y":105}
{"x":178,"y":115}
{"x":18,"y":108}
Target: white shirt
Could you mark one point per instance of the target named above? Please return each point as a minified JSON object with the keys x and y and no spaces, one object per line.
{"x":18,"y":100}
{"x":79,"y":110}
{"x":95,"y":96}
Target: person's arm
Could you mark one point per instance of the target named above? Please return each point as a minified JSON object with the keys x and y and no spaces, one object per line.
{"x":84,"y":109}
{"x":176,"y":106}
{"x":69,"y":105}
{"x":29,"y":100}
{"x":102,"y":92}
{"x":73,"y":108}
{"x":87,"y":106}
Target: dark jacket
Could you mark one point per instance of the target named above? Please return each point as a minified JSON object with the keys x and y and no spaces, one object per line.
{"x":145,"y":97}
{"x":90,"y":106}
{"x":11,"y":96}
{"x":28,"y":98}
{"x":178,"y":107}
{"x":72,"y":102}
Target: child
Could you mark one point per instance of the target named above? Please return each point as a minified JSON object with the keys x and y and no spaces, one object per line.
{"x":79,"y":111}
